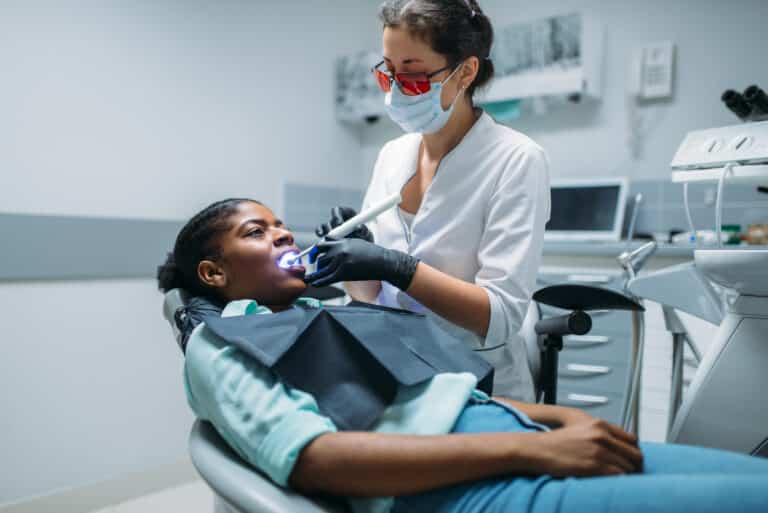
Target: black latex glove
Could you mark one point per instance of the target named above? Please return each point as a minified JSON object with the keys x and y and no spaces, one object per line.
{"x":338,"y":216}
{"x":358,"y":260}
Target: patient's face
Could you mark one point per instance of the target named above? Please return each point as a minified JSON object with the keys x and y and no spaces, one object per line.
{"x":250,"y":249}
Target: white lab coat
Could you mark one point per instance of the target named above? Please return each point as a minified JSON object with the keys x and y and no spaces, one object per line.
{"x":481,"y":220}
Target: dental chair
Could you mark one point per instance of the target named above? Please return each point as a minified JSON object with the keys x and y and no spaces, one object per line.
{"x":240,"y":488}
{"x":237,"y":486}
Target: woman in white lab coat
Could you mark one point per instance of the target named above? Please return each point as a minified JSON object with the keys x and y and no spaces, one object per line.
{"x":465,"y":243}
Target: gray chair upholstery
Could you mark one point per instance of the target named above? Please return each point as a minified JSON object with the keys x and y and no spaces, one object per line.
{"x":174,"y":299}
{"x":237,"y":486}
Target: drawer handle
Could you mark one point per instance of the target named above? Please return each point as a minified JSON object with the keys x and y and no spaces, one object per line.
{"x":588,"y":400}
{"x":585,"y":340}
{"x":587,"y":370}
{"x":588,"y":278}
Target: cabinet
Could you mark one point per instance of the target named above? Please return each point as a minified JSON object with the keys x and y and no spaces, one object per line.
{"x":594,"y":368}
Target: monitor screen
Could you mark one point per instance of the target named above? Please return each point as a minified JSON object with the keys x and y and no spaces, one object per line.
{"x":586,"y":208}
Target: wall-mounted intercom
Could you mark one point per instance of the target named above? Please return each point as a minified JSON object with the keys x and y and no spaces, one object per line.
{"x":653,"y":71}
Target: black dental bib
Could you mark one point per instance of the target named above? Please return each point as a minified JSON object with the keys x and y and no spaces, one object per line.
{"x":351,"y":359}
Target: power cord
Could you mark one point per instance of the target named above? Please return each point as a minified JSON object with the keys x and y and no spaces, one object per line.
{"x":688,"y":215}
{"x":728,"y":169}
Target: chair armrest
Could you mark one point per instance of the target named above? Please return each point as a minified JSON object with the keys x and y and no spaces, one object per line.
{"x":585,"y":298}
{"x":574,"y":323}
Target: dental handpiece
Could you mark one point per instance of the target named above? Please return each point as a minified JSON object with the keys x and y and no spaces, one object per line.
{"x":351,"y":224}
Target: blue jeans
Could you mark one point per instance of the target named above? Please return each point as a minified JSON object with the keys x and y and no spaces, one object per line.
{"x":676,"y":479}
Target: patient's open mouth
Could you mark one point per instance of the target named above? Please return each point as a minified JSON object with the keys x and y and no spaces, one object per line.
{"x":288,"y":262}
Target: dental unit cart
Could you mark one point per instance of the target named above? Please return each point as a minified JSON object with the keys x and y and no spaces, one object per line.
{"x":726,"y":405}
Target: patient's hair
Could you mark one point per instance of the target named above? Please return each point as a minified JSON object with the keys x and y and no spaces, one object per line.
{"x":197,"y":241}
{"x":457,"y":29}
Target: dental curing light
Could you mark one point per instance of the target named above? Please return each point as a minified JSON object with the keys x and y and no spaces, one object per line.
{"x":344,"y":229}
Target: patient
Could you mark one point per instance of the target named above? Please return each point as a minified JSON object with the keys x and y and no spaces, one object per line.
{"x":441,"y":445}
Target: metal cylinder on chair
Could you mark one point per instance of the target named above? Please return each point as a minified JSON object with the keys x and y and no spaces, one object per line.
{"x":553,"y":329}
{"x":574,"y":323}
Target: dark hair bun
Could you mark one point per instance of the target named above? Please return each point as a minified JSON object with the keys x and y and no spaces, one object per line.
{"x":457,"y":29}
{"x":169,"y":275}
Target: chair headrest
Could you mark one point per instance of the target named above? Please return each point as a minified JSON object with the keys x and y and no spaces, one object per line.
{"x":174,"y":299}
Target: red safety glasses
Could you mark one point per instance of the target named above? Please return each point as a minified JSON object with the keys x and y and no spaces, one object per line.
{"x":410,"y":83}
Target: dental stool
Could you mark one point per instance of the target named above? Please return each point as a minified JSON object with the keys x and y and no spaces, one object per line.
{"x":237,"y":487}
{"x":544,"y":337}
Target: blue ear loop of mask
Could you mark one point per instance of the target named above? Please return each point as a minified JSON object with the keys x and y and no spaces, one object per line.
{"x":422,"y":113}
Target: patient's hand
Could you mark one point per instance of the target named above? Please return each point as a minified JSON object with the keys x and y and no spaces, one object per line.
{"x":573,"y":417}
{"x":584,"y":449}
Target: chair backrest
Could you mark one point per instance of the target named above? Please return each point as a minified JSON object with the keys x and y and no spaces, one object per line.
{"x":174,"y":299}
{"x":532,"y":350}
{"x":239,"y":485}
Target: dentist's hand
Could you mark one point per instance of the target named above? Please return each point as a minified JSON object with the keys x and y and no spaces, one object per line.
{"x":340,"y":214}
{"x":359,"y":260}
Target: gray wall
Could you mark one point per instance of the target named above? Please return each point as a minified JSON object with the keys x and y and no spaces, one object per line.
{"x":152,"y":108}
{"x":719,"y":45}
{"x":145,"y":110}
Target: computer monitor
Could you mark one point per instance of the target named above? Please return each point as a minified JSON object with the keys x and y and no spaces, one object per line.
{"x":588,"y":209}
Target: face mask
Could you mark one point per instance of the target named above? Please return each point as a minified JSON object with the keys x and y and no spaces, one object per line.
{"x":422,"y":113}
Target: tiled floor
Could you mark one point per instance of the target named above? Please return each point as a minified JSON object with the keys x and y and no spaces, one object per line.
{"x":193,"y":497}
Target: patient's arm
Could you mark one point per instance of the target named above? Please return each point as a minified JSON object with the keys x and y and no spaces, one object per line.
{"x":373,"y":464}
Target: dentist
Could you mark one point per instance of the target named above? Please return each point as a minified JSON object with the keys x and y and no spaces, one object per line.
{"x":464,"y":246}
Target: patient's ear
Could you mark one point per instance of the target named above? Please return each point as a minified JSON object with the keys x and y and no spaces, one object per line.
{"x":211,"y":273}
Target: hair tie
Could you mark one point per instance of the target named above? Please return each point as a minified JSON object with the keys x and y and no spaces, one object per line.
{"x":471,"y":10}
